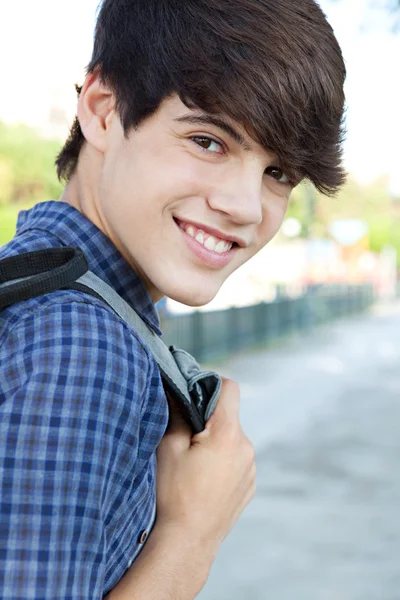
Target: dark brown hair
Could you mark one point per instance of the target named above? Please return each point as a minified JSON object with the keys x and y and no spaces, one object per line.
{"x":272,"y":65}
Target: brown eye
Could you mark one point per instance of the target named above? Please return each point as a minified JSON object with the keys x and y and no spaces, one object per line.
{"x":207,"y":144}
{"x":203,"y":142}
{"x":278,"y":174}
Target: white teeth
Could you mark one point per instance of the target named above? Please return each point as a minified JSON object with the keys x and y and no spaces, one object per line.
{"x":211,"y":243}
{"x":223,"y":247}
{"x":200,"y":237}
{"x":208,"y":241}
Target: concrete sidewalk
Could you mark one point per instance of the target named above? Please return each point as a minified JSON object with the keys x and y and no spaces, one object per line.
{"x":324,"y":415}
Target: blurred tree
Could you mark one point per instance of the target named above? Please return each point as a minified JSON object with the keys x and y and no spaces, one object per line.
{"x":27,"y":171}
{"x":370,"y":202}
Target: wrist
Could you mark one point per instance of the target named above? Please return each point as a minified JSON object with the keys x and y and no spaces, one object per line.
{"x":172,"y":564}
{"x":197,"y":553}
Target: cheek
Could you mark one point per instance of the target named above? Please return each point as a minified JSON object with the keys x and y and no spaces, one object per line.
{"x":273,"y":215}
{"x":160,"y":175}
{"x":181,"y":175}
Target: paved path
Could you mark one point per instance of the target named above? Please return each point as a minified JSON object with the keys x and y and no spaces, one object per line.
{"x":324,"y":415}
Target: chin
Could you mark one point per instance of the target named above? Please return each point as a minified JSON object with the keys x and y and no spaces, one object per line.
{"x":193,"y":297}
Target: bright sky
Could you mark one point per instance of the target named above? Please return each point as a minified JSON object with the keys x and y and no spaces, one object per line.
{"x":46,"y":44}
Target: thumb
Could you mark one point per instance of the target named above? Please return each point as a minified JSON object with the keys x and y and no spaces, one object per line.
{"x":228,"y":405}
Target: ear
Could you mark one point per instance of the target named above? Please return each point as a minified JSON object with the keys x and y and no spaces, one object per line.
{"x":96,"y":111}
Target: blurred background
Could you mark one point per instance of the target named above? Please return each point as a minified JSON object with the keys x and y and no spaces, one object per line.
{"x":309,"y":327}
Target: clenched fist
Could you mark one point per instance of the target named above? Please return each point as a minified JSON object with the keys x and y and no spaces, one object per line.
{"x":205,"y":481}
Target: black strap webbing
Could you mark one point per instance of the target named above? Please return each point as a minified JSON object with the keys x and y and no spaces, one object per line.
{"x":46,"y":271}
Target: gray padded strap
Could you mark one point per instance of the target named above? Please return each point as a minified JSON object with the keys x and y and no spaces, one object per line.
{"x":160,"y":351}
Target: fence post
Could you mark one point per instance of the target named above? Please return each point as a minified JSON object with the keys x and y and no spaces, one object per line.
{"x":198,"y":336}
{"x":233,"y":328}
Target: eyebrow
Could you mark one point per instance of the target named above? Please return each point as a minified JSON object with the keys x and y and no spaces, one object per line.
{"x":206,"y":119}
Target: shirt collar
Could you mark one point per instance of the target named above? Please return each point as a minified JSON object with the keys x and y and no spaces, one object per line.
{"x":72,"y":228}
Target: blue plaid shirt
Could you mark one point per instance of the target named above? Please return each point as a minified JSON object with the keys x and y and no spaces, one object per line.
{"x":82,"y":411}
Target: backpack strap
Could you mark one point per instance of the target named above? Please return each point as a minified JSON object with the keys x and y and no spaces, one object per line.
{"x":33,"y":274}
{"x":179,"y":370}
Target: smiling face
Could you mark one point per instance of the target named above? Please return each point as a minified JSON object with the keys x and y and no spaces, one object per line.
{"x":188,"y":198}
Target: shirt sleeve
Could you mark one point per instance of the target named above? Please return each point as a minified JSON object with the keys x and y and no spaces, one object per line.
{"x":71,"y":383}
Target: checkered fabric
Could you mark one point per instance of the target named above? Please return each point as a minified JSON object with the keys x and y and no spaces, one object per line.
{"x":82,"y":411}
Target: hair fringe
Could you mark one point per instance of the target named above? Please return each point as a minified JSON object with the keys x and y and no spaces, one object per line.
{"x":273,"y":66}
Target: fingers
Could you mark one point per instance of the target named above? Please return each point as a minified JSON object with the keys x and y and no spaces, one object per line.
{"x":225,"y":417}
{"x":227,"y":410}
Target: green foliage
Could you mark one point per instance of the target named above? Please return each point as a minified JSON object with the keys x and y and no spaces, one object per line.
{"x":371,"y":203}
{"x":27,"y":172}
{"x":8,"y":220}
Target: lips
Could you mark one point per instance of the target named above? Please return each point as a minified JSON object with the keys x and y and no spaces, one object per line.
{"x":210,"y":249}
{"x":211,"y":242}
{"x":212,"y":232}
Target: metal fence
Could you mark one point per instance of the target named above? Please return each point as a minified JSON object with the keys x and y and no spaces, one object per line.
{"x":211,"y":335}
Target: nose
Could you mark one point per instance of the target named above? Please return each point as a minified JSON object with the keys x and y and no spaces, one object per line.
{"x":238,"y":198}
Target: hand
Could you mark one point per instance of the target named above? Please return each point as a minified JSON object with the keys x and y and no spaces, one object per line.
{"x":205,"y":481}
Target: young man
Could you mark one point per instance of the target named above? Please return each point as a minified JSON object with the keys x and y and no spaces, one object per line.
{"x":195,"y":121}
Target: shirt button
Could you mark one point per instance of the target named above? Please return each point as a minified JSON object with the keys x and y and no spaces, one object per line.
{"x":143,"y":537}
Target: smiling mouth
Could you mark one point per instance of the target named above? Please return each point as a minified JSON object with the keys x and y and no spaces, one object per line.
{"x":208,"y":241}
